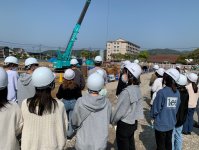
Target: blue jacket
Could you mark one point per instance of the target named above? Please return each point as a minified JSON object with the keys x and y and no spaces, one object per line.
{"x":164,"y":109}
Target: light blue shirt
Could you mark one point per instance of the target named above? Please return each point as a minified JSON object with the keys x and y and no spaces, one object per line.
{"x":12,"y":85}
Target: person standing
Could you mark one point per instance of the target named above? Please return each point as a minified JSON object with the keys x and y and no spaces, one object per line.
{"x":69,"y":92}
{"x":178,"y":67}
{"x":79,"y":78}
{"x":25,"y":87}
{"x":164,"y":110}
{"x":153,"y":77}
{"x":91,"y":116}
{"x":121,"y":84}
{"x":11,"y":64}
{"x":98,"y":64}
{"x":192,"y":89}
{"x":11,"y":121}
{"x":181,"y":114}
{"x":45,"y":119}
{"x":103,"y":91}
{"x":157,"y":85}
{"x":128,"y":109}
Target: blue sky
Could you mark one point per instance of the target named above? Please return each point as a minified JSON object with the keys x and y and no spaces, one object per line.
{"x":148,"y":23}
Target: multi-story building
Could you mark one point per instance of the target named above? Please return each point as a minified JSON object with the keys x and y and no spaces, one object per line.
{"x":120,"y":46}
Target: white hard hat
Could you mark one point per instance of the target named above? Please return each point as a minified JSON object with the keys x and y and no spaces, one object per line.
{"x":160,"y":71}
{"x":124,"y":63}
{"x":192,"y":77}
{"x":95,"y":82}
{"x":11,"y":59}
{"x":135,"y":69}
{"x":182,"y":80}
{"x":42,"y":77}
{"x":136,"y":61}
{"x":156,"y":67}
{"x":3,"y":78}
{"x":69,"y":74}
{"x":178,"y":66}
{"x":30,"y":61}
{"x":98,"y":59}
{"x":73,"y":61}
{"x":173,"y":73}
{"x":100,"y":71}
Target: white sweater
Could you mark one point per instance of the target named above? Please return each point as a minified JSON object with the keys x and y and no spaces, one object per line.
{"x":46,"y":132}
{"x":157,"y":85}
{"x":11,"y":123}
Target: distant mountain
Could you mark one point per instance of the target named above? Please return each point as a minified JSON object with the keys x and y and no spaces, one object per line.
{"x":164,"y":51}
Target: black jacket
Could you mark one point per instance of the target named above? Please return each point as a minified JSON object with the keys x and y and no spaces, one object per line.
{"x":68,"y":94}
{"x":183,"y":108}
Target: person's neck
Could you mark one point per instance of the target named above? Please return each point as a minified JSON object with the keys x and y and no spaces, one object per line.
{"x":29,"y":72}
{"x":94,"y":94}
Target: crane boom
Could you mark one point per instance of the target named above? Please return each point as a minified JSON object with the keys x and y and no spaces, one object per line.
{"x":73,"y":37}
{"x":63,"y":60}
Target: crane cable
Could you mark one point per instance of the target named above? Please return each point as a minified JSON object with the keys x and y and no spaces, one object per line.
{"x":107,"y":19}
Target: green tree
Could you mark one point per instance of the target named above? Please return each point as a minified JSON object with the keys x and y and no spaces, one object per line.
{"x":85,"y":54}
{"x":143,"y":55}
{"x":117,"y":56}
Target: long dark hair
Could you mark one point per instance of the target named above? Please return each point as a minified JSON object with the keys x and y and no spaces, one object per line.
{"x":132,"y":79}
{"x":3,"y":98}
{"x":181,"y":88}
{"x":69,"y":84}
{"x":170,"y":82}
{"x":157,"y":75}
{"x":43,"y":100}
{"x":195,"y":87}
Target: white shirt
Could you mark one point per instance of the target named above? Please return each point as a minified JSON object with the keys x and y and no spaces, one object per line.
{"x":157,"y":85}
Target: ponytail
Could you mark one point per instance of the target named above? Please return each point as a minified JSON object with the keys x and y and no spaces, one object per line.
{"x":195,"y":87}
{"x":173,"y":86}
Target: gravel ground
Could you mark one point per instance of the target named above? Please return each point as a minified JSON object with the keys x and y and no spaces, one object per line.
{"x":144,"y":136}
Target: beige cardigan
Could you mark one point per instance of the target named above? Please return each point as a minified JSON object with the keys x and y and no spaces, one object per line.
{"x":193,"y":97}
{"x":47,"y":132}
{"x":11,"y":123}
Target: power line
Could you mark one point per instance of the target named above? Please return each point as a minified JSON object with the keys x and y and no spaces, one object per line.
{"x":33,"y":46}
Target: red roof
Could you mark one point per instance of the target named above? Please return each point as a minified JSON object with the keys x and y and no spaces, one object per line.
{"x":163,"y":58}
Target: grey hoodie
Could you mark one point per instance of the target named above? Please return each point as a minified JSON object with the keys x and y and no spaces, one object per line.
{"x":25,"y":87}
{"x":129,"y":106}
{"x":92,"y":117}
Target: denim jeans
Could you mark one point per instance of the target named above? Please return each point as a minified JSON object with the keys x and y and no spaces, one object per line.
{"x":177,"y":138}
{"x":197,"y":110}
{"x":188,"y":125}
{"x":69,"y":106}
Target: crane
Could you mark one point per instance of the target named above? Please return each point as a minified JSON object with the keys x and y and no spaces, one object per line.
{"x":63,"y":60}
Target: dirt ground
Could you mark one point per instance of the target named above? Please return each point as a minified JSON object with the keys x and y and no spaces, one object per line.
{"x":144,"y":136}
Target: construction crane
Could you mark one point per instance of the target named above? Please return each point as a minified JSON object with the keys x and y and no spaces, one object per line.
{"x":63,"y":60}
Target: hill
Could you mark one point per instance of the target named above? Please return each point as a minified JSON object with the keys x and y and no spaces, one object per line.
{"x":77,"y":53}
{"x":164,"y":51}
{"x":50,"y":52}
